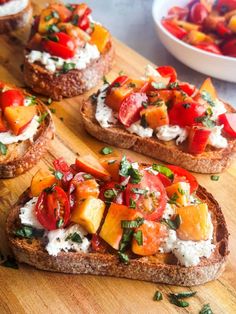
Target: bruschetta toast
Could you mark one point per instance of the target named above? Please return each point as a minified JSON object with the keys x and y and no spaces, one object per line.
{"x":162,"y":117}
{"x":26,"y":128}
{"x":120,"y":218}
{"x":68,"y":53}
{"x":14,"y":14}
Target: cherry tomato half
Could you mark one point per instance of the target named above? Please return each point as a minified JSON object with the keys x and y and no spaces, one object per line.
{"x":181,"y":174}
{"x":52,"y":208}
{"x":174,"y":29}
{"x":209,"y":47}
{"x":148,"y":197}
{"x":229,"y":122}
{"x":168,"y":71}
{"x":12,"y":97}
{"x":198,"y":13}
{"x":178,"y":12}
{"x":60,"y":45}
{"x":198,"y":139}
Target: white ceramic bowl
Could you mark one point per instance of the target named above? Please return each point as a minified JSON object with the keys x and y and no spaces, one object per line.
{"x":220,"y":67}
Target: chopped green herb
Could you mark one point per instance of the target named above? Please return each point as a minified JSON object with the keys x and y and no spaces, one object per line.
{"x":135,"y":175}
{"x":10,"y":262}
{"x":121,"y":72}
{"x":158,"y":85}
{"x":74,"y":237}
{"x":206,"y":309}
{"x":209,"y":112}
{"x":131,"y":85}
{"x":87,"y":176}
{"x":183,"y":295}
{"x":130,"y":224}
{"x":173,"y":85}
{"x":42,"y":117}
{"x":139,"y":237}
{"x":127,"y":169}
{"x":144,"y":104}
{"x":110,"y":194}
{"x":207,"y":97}
{"x":158,"y":103}
{"x":31,"y":100}
{"x":139,"y":191}
{"x":215,"y":178}
{"x":157,"y":296}
{"x":53,"y":29}
{"x":75,"y":20}
{"x":92,"y":26}
{"x":24,"y":232}
{"x":177,"y":302}
{"x":206,"y":121}
{"x":48,"y":18}
{"x":70,"y":7}
{"x":132,"y":203}
{"x":105,"y":81}
{"x":172,"y":223}
{"x":58,"y":175}
{"x":60,"y":223}
{"x":163,"y":170}
{"x":186,"y":105}
{"x":3,"y":149}
{"x":54,"y":58}
{"x":55,"y":15}
{"x":125,"y":240}
{"x":116,"y":85}
{"x":67,"y":66}
{"x":143,"y":121}
{"x":181,"y":191}
{"x":106,"y":150}
{"x":50,"y":189}
{"x":53,"y":110}
{"x":124,"y":258}
{"x":52,"y":38}
{"x":173,"y":198}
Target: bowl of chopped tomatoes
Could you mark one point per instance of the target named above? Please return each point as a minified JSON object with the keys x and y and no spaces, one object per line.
{"x":199,"y":33}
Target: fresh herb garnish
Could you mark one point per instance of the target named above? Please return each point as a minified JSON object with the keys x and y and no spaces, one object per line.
{"x":24,"y":232}
{"x":87,"y":176}
{"x":74,"y":237}
{"x":163,"y":170}
{"x":139,"y":191}
{"x":172,"y":223}
{"x":158,"y":103}
{"x":55,"y":15}
{"x":105,"y":81}
{"x":181,"y":191}
{"x":50,"y":189}
{"x":206,"y":121}
{"x":54,"y":58}
{"x":116,"y":85}
{"x":58,"y":175}
{"x":132,"y":85}
{"x":131,"y":224}
{"x":135,"y":175}
{"x":48,"y":18}
{"x":124,"y":258}
{"x":110,"y":194}
{"x":75,"y":20}
{"x":157,"y":296}
{"x":60,"y":223}
{"x":52,"y":38}
{"x":53,"y":29}
{"x":67,"y":66}
{"x":158,"y":85}
{"x":127,"y":169}
{"x":177,"y":302}
{"x":173,"y":85}
{"x":3,"y":148}
{"x":183,"y":295}
{"x":70,"y":7}
{"x":31,"y":100}
{"x":206,"y":309}
{"x":215,"y":178}
{"x":132,"y":203}
{"x":144,"y":104}
{"x":173,"y":199}
{"x":42,"y":117}
{"x":139,"y":237}
{"x":207,"y":97}
{"x":53,"y":110}
{"x":186,"y":105}
{"x":106,"y":150}
{"x":143,"y":121}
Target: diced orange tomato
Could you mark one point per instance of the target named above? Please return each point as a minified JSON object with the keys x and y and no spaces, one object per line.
{"x":232,"y":23}
{"x":100,"y":37}
{"x":180,"y":97}
{"x":74,"y":31}
{"x":89,"y":213}
{"x":209,"y":88}
{"x":196,"y":37}
{"x":195,"y":224}
{"x":19,"y":117}
{"x":155,"y":96}
{"x":156,"y":116}
{"x":87,"y":188}
{"x":112,"y":165}
{"x":152,"y":235}
{"x":40,"y":181}
{"x":64,"y":13}
{"x":91,"y":165}
{"x":46,"y":19}
{"x":112,"y":231}
{"x":180,"y":191}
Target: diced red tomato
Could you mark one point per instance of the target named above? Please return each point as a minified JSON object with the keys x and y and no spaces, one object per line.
{"x":130,"y":108}
{"x":178,"y":12}
{"x":98,"y":244}
{"x":82,"y":12}
{"x":198,"y":13}
{"x":229,"y":122}
{"x":61,"y":166}
{"x":197,"y":140}
{"x":3,"y":126}
{"x":181,"y":174}
{"x":229,"y":48}
{"x":52,"y":208}
{"x":187,"y":88}
{"x":11,"y":97}
{"x":223,"y":30}
{"x":113,"y":190}
{"x":119,"y":81}
{"x":185,"y":114}
{"x":174,"y":29}
{"x":60,"y":45}
{"x":168,"y":71}
{"x":210,"y":47}
{"x":224,"y":6}
{"x":152,"y":202}
{"x":164,"y":179}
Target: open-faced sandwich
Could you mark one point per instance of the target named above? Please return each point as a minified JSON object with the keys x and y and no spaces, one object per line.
{"x":14,"y":14}
{"x":26,"y":128}
{"x":164,"y":118}
{"x":120,"y":218}
{"x":67,"y":53}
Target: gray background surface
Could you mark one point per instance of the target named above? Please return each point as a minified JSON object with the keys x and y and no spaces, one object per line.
{"x":131,"y":22}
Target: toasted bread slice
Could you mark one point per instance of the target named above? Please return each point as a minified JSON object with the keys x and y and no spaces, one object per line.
{"x":12,"y":22}
{"x":212,"y":161}
{"x":152,"y":268}
{"x":23,"y":155}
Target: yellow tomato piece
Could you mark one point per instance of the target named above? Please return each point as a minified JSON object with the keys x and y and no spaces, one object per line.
{"x":196,"y":37}
{"x":209,"y":88}
{"x":156,"y":116}
{"x":40,"y":181}
{"x":232,"y":24}
{"x":100,"y":37}
{"x":179,"y":192}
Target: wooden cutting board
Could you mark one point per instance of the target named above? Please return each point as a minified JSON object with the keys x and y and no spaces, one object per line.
{"x":31,"y":291}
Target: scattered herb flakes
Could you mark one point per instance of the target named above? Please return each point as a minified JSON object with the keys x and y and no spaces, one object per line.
{"x":124,"y":258}
{"x":24,"y":232}
{"x":184,"y":294}
{"x":139,"y":191}
{"x":172,"y":223}
{"x":53,"y":29}
{"x":53,"y":110}
{"x":10,"y":262}
{"x":181,"y":191}
{"x":116,"y":85}
{"x":132,"y":203}
{"x":132,"y":85}
{"x":173,"y":199}
{"x":215,"y":178}
{"x":106,"y":150}
{"x":180,"y":303}
{"x":70,"y":7}
{"x":60,"y":223}
{"x":67,"y":66}
{"x":186,"y":105}
{"x":110,"y":194}
{"x":31,"y":100}
{"x":42,"y":117}
{"x":87,"y":176}
{"x":3,"y":148}
{"x":206,"y":309}
{"x":158,"y":85}
{"x":139,"y":237}
{"x":207,"y":97}
{"x":58,"y":175}
{"x":163,"y":170}
{"x":74,"y":237}
{"x":143,"y":121}
{"x":75,"y":19}
{"x":206,"y":121}
{"x":125,"y":240}
{"x":173,"y":85}
{"x":144,"y":104}
{"x":131,"y":224}
{"x":105,"y":81}
{"x":157,"y":296}
{"x":127,"y":169}
{"x":135,"y":176}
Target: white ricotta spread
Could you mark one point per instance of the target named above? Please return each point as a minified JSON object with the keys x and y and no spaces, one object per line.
{"x":169,"y":211}
{"x":104,"y":114}
{"x":27,"y":214}
{"x":171,"y":132}
{"x":9,"y":138}
{"x":216,"y":139}
{"x":218,"y":109}
{"x":138,"y":129}
{"x":82,"y":57}
{"x":58,"y":240}
{"x":13,"y":7}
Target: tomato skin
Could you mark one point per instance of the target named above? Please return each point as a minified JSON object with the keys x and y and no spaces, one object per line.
{"x":197,"y":140}
{"x":187,"y":88}
{"x":51,"y":207}
{"x":168,"y":71}
{"x":198,"y":13}
{"x":98,"y":244}
{"x":185,"y":114}
{"x":229,"y":48}
{"x":209,"y":47}
{"x":130,"y":108}
{"x":229,"y":122}
{"x":119,"y":81}
{"x":64,"y":47}
{"x":154,"y":184}
{"x":61,"y":166}
{"x":178,"y":12}
{"x":174,"y":29}
{"x":164,"y":180}
{"x":78,"y":178}
{"x":12,"y":97}
{"x":223,"y":30}
{"x":181,"y":174}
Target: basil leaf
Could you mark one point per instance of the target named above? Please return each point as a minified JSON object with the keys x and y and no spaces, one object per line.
{"x":106,"y":150}
{"x":53,"y":110}
{"x":206,"y":309}
{"x":42,"y":117}
{"x":110,"y":194}
{"x":67,"y":66}
{"x":157,"y":296}
{"x":173,"y":85}
{"x":206,"y":121}
{"x":31,"y":100}
{"x":183,"y":295}
{"x":207,"y":97}
{"x":215,"y":178}
{"x":158,"y":85}
{"x":139,"y":237}
{"x":58,"y":175}
{"x":163,"y":170}
{"x":53,"y":29}
{"x":124,"y":167}
{"x":125,"y":240}
{"x":139,"y":191}
{"x":60,"y":223}
{"x":87,"y":176}
{"x":130,"y":224}
{"x":3,"y":149}
{"x":124,"y":258}
{"x":173,"y":199}
{"x":172,"y":223}
{"x":135,"y":175}
{"x":24,"y":232}
{"x":132,"y":203}
{"x":74,"y":237}
{"x":177,"y":302}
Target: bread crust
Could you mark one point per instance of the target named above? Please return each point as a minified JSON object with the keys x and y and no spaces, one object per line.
{"x":73,"y":83}
{"x":142,"y":268}
{"x":211,"y":161}
{"x":12,"y":22}
{"x":24,"y":155}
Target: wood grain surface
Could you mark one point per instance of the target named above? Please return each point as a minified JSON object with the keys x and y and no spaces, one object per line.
{"x":27,"y":290}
